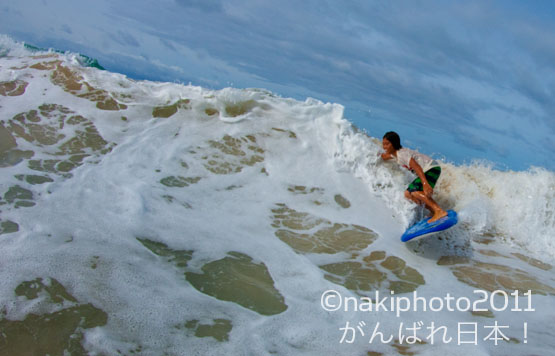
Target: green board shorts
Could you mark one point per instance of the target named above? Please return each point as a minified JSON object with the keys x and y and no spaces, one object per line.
{"x":432,"y":175}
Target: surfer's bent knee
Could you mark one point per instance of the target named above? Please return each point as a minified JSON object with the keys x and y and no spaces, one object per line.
{"x":412,"y":196}
{"x":418,"y":197}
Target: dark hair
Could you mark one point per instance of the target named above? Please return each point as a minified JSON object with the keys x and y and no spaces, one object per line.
{"x":394,"y":138}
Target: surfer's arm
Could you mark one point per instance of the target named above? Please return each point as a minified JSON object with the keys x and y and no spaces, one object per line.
{"x":386,"y":156}
{"x":416,"y":168}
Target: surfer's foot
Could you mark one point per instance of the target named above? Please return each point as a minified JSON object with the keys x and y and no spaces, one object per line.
{"x":437,"y":215}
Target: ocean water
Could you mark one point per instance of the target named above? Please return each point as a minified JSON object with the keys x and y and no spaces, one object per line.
{"x":149,"y":218}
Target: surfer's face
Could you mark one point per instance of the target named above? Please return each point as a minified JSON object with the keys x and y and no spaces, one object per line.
{"x":387,"y":146}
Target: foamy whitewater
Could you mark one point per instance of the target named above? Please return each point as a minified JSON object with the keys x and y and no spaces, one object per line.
{"x":146,"y":218}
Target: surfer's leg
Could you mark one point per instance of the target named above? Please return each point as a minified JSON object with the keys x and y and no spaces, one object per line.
{"x":415,"y":198}
{"x":430,"y":204}
{"x":415,"y":193}
{"x":409,"y":196}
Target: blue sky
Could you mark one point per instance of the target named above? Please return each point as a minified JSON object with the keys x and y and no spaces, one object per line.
{"x":462,"y":80}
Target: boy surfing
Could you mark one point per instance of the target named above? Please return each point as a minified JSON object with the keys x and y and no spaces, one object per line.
{"x":427,"y":170}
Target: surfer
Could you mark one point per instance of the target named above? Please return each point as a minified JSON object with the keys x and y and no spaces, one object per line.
{"x":427,"y":170}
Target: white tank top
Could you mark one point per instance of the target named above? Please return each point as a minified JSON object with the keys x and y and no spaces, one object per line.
{"x":404,"y":155}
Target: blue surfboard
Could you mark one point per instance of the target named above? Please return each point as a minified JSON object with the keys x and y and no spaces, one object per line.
{"x":423,"y":228}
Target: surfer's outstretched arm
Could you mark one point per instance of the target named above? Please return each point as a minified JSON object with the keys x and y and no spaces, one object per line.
{"x":386,"y":156}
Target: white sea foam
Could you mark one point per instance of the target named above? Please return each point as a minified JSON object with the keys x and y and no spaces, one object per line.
{"x":115,"y":198}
